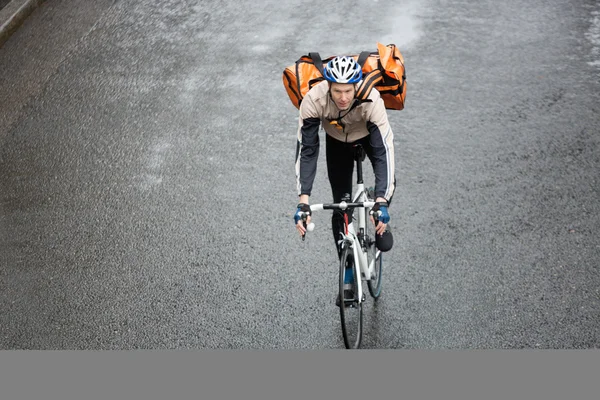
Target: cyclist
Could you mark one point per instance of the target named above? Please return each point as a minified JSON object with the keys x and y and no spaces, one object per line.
{"x":346,"y":121}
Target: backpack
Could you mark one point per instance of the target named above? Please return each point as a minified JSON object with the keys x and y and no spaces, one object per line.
{"x":382,"y":69}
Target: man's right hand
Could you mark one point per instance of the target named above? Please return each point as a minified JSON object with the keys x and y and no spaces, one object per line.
{"x":303,"y":210}
{"x":383,"y":218}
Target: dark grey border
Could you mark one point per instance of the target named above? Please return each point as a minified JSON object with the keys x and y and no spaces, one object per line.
{"x":368,"y":374}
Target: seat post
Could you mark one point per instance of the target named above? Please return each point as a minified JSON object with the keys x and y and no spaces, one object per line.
{"x":359,"y":156}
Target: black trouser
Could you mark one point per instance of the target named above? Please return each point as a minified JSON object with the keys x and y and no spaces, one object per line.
{"x":340,"y":169}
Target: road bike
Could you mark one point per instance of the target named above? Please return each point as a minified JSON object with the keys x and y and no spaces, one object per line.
{"x":359,"y":254}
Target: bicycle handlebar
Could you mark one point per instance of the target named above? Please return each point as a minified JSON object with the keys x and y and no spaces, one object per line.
{"x":341,"y":206}
{"x":337,"y":206}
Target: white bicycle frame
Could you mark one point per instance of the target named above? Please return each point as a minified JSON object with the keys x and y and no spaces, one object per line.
{"x":351,"y":238}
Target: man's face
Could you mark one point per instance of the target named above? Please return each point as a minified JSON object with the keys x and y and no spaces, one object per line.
{"x":342,"y":94}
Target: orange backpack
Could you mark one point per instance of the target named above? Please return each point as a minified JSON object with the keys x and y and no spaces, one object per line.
{"x":382,"y":69}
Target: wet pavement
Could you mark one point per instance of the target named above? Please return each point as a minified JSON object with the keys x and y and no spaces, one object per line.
{"x":147,"y":181}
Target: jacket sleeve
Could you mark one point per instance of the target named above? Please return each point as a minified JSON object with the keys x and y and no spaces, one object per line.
{"x":382,"y":141}
{"x":307,"y":148}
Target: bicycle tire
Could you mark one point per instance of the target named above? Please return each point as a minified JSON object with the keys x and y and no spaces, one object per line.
{"x":351,"y":315}
{"x":374,"y":282}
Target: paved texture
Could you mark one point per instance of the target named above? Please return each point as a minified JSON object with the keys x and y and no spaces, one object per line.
{"x":13,"y":13}
{"x":3,"y":3}
{"x":147,"y":188}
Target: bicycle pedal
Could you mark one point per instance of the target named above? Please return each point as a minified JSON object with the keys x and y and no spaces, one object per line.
{"x":350,"y":303}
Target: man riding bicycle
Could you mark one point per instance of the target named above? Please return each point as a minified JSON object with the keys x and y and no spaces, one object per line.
{"x":347,"y":121}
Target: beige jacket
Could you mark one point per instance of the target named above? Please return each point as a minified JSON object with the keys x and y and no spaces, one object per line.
{"x":368,"y":118}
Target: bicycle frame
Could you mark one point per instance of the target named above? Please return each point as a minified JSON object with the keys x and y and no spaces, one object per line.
{"x":351,"y":235}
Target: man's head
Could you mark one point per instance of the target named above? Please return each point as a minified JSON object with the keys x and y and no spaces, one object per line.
{"x":342,"y":73}
{"x":342,"y":94}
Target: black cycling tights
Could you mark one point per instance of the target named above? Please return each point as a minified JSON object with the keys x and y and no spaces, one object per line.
{"x":340,"y":169}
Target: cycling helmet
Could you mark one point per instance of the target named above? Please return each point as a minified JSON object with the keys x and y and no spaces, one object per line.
{"x":343,"y":69}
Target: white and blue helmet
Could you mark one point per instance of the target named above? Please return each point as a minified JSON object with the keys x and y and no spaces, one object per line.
{"x":342,"y":69}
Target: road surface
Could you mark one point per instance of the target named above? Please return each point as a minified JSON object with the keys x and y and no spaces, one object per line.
{"x":147,"y":183}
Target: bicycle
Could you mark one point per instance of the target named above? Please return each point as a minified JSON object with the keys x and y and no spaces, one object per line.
{"x":359,"y":254}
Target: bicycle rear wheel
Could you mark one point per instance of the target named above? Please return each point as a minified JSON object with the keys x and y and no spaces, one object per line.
{"x":351,"y":312}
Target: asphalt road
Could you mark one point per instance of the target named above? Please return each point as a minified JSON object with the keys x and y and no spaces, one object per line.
{"x":147,"y":181}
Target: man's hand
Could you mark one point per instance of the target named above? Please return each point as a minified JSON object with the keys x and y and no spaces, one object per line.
{"x":303,"y":210}
{"x":384,"y":217}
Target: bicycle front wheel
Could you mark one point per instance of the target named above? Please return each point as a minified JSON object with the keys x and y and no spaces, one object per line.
{"x":351,"y":311}
{"x":375,"y":282}
{"x":373,"y":255}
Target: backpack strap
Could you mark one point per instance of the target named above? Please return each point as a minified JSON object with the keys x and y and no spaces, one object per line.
{"x":362,"y":57}
{"x":316,"y":57}
{"x":368,"y":83}
{"x":369,"y":80}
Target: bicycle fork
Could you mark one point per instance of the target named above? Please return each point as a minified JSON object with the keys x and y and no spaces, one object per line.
{"x":364,"y":271}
